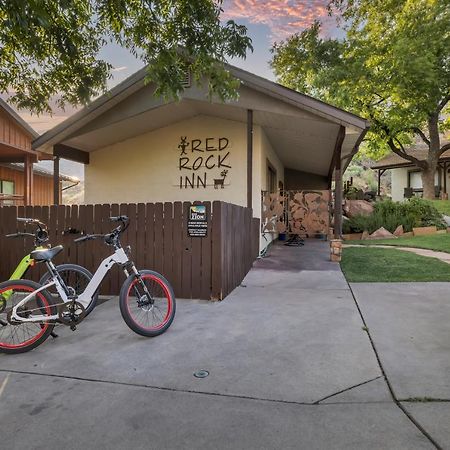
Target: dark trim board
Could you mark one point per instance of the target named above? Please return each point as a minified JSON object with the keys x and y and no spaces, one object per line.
{"x":71,"y":153}
{"x":249,"y":158}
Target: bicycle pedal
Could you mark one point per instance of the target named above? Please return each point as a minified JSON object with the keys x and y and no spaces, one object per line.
{"x":73,"y":327}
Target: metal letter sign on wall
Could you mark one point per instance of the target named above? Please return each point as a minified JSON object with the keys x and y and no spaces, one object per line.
{"x":296,"y":212}
{"x":203,"y":162}
{"x":198,"y":221}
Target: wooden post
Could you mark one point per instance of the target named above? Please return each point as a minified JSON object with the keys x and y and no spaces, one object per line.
{"x":379,"y":183}
{"x":338,"y":198}
{"x":249,"y":158}
{"x":445,"y":177}
{"x":380,"y":174}
{"x":56,"y":180}
{"x":439,"y":171}
{"x":28,"y":181}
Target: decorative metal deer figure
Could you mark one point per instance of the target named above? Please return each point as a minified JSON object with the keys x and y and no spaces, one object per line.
{"x":220,"y":181}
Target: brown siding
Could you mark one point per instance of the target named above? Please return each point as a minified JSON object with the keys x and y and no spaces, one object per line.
{"x":11,"y":134}
{"x":42,"y":185}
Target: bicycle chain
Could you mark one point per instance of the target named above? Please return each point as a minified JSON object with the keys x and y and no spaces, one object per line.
{"x":71,"y":313}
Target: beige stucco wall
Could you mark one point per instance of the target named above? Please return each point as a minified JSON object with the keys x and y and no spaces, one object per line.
{"x":147,"y":168}
{"x":266,"y":153}
{"x":399,"y":180}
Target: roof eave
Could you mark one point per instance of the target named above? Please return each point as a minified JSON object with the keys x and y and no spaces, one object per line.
{"x":3,"y":105}
{"x":129,"y":86}
{"x":110,"y":97}
{"x":315,"y":106}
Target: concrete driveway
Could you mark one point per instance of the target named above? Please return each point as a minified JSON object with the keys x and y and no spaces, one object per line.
{"x":291,"y":366}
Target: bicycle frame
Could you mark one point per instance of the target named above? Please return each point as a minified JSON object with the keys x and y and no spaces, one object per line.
{"x":118,"y":257}
{"x":26,"y":262}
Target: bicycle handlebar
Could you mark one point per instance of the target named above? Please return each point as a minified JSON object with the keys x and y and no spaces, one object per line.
{"x":16,"y":235}
{"x":119,"y":219}
{"x":110,"y":238}
{"x":40,"y":235}
{"x":89,"y":237}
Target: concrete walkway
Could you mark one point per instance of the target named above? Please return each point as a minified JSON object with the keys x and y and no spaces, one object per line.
{"x":409,"y":324}
{"x":291,"y":366}
{"x":443,"y":256}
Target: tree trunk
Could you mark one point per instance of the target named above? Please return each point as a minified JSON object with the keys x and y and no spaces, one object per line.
{"x":428,"y":182}
{"x":428,"y":175}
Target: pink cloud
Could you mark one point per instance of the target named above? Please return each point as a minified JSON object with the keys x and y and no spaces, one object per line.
{"x":283,"y":17}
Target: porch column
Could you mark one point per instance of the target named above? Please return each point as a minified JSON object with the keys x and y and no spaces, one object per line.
{"x":380,"y":174}
{"x":56,"y":180}
{"x":28,"y":181}
{"x":249,"y":158}
{"x":338,"y":198}
{"x":439,"y":170}
{"x":336,"y":167}
{"x":445,"y":177}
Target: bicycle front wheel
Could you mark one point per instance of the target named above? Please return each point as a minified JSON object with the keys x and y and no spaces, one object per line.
{"x":74,"y":276}
{"x":17,"y":336}
{"x":147,"y":316}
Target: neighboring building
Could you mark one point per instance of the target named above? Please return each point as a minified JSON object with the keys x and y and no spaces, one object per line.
{"x":406,"y":178}
{"x":12,"y":184}
{"x":21,"y":183}
{"x":139,"y":148}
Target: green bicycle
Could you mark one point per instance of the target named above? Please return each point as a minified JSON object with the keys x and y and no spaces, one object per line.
{"x":74,"y":276}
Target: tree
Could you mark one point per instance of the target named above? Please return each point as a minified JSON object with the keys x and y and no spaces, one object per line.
{"x":392,"y":67}
{"x":51,"y":47}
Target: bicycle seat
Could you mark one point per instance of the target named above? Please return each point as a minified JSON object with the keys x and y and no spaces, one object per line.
{"x":46,"y":254}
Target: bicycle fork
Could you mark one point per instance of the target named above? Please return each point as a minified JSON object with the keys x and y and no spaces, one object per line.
{"x":141,"y":283}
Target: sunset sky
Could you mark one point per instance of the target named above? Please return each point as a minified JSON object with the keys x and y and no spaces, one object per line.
{"x":268,"y":21}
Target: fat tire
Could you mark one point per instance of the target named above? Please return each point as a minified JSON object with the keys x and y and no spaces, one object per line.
{"x":74,"y":268}
{"x":53,"y":311}
{"x":124,"y":309}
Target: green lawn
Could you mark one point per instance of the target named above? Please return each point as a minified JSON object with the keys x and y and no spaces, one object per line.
{"x":438,"y":242}
{"x":362,"y":264}
{"x":443,"y":206}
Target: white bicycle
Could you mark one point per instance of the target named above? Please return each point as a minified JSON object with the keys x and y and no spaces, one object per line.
{"x":146,"y":299}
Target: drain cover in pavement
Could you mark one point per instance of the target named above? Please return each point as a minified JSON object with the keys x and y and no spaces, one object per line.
{"x":201,"y":374}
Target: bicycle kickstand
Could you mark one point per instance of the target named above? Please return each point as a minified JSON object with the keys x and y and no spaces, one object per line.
{"x":53,"y":335}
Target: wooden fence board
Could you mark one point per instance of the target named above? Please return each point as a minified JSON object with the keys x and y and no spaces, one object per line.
{"x":196,"y":259}
{"x":206,"y":254}
{"x":150,"y":237}
{"x":177,"y":247}
{"x":186,"y":259}
{"x":159,"y":237}
{"x":167,"y":270}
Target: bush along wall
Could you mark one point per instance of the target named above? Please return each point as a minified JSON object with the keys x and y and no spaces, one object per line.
{"x":415,"y":212}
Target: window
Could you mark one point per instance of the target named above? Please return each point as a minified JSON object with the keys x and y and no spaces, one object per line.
{"x":7,"y":188}
{"x":271,"y":178}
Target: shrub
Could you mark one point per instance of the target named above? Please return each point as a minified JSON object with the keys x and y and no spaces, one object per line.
{"x":411,"y":213}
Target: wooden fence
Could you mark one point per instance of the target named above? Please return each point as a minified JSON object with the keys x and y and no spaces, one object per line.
{"x":206,"y":268}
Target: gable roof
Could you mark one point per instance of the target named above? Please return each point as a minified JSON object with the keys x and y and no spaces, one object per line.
{"x":37,"y":170}
{"x":419,"y":151}
{"x":136,"y":81}
{"x":19,"y":121}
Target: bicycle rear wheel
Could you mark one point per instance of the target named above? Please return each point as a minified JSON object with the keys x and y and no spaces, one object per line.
{"x":17,"y":336}
{"x":147,"y":317}
{"x":74,"y":276}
